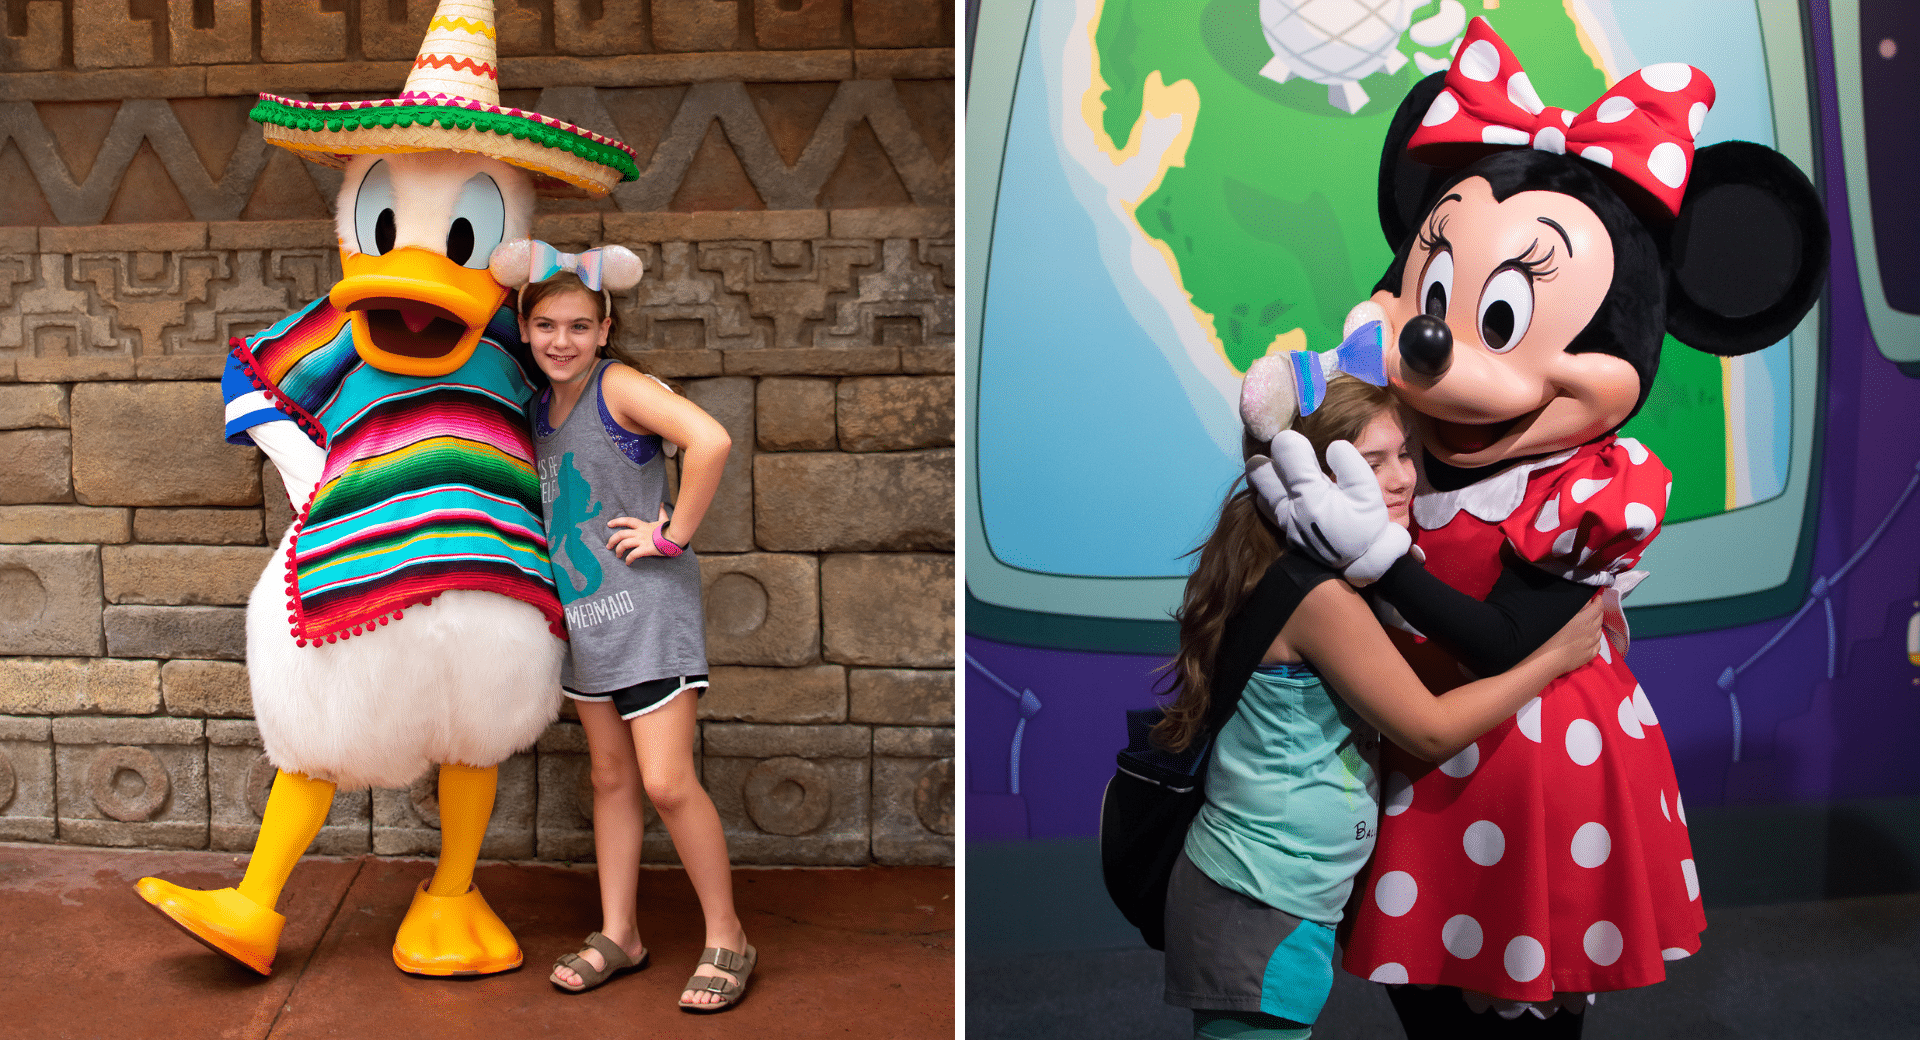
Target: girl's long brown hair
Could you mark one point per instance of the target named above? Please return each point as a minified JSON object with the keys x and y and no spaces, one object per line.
{"x":1236,"y":556}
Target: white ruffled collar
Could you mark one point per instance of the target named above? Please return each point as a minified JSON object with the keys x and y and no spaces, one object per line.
{"x":1492,"y":500}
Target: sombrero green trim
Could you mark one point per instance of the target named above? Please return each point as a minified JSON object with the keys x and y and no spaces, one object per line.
{"x":447,"y":117}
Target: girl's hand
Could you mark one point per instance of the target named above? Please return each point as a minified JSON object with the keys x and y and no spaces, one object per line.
{"x":636,"y":540}
{"x":1577,"y":642}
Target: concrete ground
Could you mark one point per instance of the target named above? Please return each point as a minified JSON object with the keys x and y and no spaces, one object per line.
{"x":843,"y":953}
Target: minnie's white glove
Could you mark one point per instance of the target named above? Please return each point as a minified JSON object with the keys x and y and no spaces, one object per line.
{"x":1343,"y":525}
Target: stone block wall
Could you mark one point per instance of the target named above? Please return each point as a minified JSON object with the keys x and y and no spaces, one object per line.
{"x":795,"y":215}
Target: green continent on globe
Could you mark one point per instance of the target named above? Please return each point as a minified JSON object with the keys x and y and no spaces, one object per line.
{"x":1273,"y":222}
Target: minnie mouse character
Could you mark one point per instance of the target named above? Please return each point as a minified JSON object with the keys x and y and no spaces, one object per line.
{"x":1540,"y":256}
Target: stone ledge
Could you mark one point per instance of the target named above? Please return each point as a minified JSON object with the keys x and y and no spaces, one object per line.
{"x":104,"y":85}
{"x":813,"y":361}
{"x":124,"y":238}
{"x":179,"y":367}
{"x":914,"y":63}
{"x":914,"y":222}
{"x":14,"y":727}
{"x":893,"y":222}
{"x":19,"y":239}
{"x":716,"y":225}
{"x":519,"y":72}
{"x":75,"y":369}
{"x":272,"y":234}
{"x":71,"y":731}
{"x":233,"y":733}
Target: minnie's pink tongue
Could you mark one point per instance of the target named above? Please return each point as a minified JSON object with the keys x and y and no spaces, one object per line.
{"x":417,"y":316}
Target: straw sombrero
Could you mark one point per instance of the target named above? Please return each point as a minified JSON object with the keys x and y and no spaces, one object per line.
{"x":452,"y":103}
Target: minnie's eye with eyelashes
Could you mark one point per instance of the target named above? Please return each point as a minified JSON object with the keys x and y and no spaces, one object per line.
{"x":1436,"y":285}
{"x":1506,"y":309}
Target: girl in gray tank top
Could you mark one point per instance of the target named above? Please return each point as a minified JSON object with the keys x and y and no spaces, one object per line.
{"x":632,"y":595}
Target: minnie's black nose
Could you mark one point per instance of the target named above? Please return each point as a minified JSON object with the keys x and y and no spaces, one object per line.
{"x":1426,"y":346}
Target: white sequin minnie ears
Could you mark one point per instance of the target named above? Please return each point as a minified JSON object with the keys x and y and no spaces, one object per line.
{"x":1279,"y":386}
{"x":607,"y":268}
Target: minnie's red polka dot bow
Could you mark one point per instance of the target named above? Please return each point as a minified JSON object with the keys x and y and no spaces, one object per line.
{"x":1642,"y":129}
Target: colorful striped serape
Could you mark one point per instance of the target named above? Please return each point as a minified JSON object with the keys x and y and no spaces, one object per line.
{"x":429,"y":483}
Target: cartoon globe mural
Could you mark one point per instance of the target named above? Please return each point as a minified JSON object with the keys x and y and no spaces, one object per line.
{"x":1335,"y":42}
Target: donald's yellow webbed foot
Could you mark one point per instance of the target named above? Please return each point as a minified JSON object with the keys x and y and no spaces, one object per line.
{"x":454,"y":935}
{"x":223,"y":920}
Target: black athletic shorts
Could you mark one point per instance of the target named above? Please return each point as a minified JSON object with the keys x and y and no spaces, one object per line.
{"x":640,"y":698}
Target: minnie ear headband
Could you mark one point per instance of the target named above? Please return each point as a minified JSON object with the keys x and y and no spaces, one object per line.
{"x":1295,"y":381}
{"x":1642,"y":129}
{"x":603,"y":270}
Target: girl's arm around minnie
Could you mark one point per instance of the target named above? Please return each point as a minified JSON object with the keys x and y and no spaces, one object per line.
{"x":1335,"y":631}
{"x":644,"y":404}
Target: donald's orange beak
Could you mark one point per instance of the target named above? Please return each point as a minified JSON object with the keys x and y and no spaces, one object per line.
{"x":415,"y":312}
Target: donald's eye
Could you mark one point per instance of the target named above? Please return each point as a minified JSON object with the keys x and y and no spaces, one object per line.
{"x":373,"y":220}
{"x":1506,"y":308}
{"x":479,"y":221}
{"x":1436,"y":285}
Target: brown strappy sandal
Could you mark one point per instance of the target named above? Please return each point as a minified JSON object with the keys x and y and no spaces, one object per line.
{"x":740,"y":965}
{"x":590,"y":976}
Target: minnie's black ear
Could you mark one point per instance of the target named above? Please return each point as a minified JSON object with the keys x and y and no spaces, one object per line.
{"x":1405,"y":184}
{"x":1748,"y":253}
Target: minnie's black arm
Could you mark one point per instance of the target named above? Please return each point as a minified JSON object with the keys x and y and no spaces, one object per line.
{"x":1523,"y":610}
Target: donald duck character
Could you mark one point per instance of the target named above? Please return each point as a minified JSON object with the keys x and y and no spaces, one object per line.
{"x":420,"y":621}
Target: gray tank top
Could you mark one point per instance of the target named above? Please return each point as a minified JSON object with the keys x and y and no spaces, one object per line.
{"x":627,"y":624}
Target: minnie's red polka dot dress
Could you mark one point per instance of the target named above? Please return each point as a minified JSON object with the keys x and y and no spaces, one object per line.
{"x":1552,"y":853}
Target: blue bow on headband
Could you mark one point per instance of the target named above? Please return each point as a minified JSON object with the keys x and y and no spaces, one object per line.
{"x":1280,"y":386}
{"x":1361,"y":355}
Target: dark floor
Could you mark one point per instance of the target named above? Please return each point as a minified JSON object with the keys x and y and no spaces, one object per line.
{"x":1838,"y":969}
{"x":843,"y":953}
{"x":1048,"y":956}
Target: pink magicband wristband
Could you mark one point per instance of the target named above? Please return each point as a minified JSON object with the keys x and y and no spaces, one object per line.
{"x":666,"y":545}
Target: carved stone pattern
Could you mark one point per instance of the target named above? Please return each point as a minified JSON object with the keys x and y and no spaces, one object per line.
{"x":788,"y":796}
{"x":137,"y":304}
{"x":933,"y":797}
{"x":102,"y":783}
{"x":223,"y":195}
{"x":844,"y":293}
{"x":105,"y":34}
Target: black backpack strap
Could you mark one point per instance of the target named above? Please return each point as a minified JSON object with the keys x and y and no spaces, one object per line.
{"x":1253,"y":627}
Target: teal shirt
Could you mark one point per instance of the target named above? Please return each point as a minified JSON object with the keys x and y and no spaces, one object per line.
{"x":1292,"y":797}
